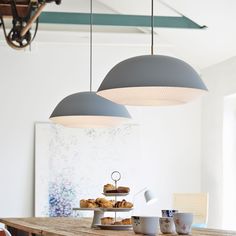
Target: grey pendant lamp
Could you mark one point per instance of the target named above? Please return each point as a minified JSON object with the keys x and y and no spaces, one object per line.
{"x":152,"y":80}
{"x":87,"y":109}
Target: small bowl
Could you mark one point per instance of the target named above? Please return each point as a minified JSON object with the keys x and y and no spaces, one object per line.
{"x":167,"y":225}
{"x":183,"y":222}
{"x":168,"y":213}
{"x":145,"y":224}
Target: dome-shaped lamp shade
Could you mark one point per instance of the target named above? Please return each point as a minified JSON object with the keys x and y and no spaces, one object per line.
{"x":89,"y":110}
{"x":152,"y":80}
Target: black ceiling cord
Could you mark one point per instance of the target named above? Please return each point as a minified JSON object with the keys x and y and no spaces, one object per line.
{"x":49,"y":1}
{"x":14,"y":37}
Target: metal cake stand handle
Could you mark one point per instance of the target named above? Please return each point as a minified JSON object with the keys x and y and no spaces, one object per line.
{"x":116,"y":176}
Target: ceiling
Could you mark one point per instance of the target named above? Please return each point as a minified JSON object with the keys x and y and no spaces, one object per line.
{"x":201,"y":48}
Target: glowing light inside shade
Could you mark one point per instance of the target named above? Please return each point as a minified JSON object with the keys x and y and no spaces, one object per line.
{"x":151,"y":96}
{"x":89,"y":121}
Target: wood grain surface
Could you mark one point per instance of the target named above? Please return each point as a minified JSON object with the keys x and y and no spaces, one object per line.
{"x":81,"y":227}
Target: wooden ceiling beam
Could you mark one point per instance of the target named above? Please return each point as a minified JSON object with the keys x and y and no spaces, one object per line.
{"x":24,"y":2}
{"x":5,"y":10}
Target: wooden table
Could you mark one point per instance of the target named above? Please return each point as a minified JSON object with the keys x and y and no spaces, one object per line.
{"x":77,"y":227}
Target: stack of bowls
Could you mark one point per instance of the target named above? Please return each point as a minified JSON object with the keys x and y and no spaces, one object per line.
{"x":171,"y":222}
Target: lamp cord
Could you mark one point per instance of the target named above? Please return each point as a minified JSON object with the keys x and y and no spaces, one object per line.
{"x":91,"y":47}
{"x":140,"y":191}
{"x":152,"y":26}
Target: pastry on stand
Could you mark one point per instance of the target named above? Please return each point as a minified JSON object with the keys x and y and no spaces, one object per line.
{"x":101,"y":205}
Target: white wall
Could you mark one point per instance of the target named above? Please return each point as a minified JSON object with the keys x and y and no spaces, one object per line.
{"x":171,"y":140}
{"x":221,"y":81}
{"x":229,"y":162}
{"x":31,"y":84}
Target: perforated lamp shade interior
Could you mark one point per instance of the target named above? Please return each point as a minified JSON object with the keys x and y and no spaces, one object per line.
{"x":152,"y":80}
{"x":89,"y":110}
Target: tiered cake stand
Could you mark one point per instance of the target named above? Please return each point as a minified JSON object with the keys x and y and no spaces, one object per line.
{"x":99,"y":212}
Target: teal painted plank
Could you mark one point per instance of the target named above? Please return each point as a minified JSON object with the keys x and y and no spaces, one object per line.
{"x":117,"y":20}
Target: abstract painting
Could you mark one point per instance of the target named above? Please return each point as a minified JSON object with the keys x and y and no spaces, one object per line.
{"x":73,"y":164}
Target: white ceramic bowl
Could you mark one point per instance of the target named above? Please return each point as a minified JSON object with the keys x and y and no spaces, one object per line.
{"x":145,"y":224}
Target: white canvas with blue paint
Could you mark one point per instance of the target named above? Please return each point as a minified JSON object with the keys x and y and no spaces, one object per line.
{"x":71,"y":164}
